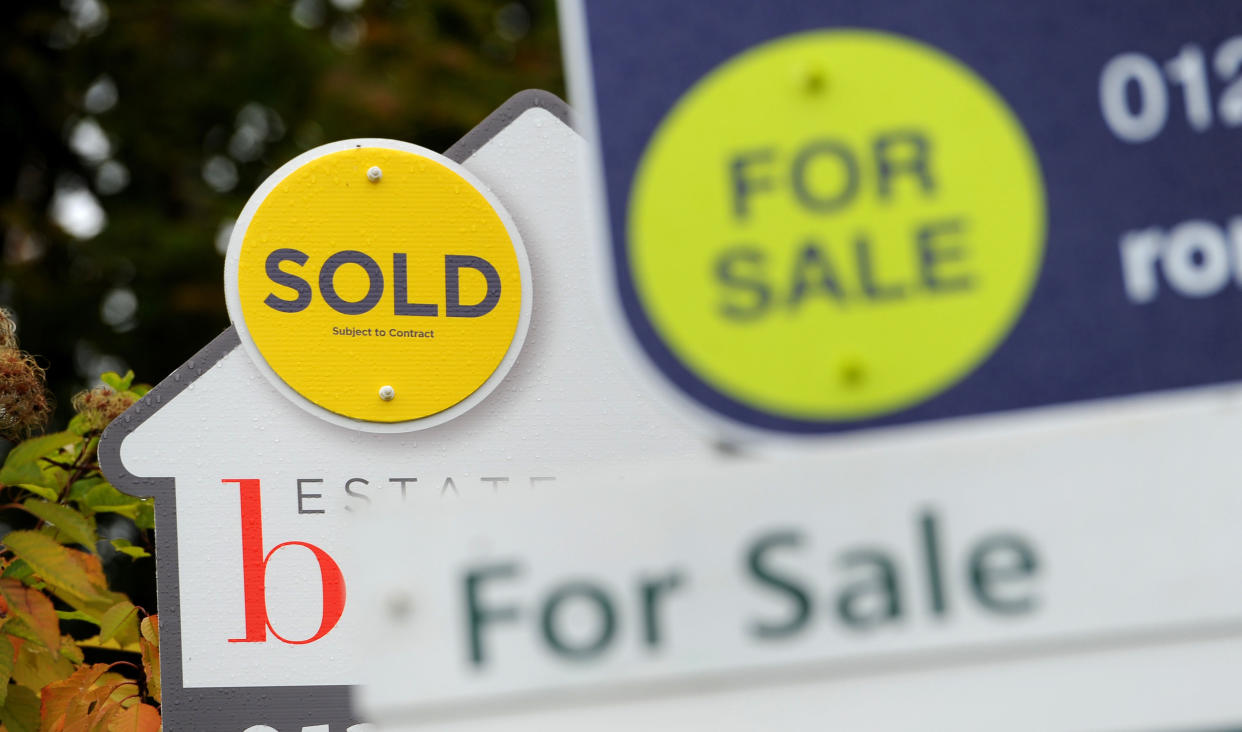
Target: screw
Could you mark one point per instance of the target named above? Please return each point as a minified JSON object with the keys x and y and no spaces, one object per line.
{"x":387,"y":393}
{"x":814,"y":79}
{"x":374,"y":174}
{"x":400,"y":606}
{"x":853,"y":374}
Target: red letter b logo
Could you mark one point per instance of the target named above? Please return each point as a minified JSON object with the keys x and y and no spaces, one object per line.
{"x":254,"y":573}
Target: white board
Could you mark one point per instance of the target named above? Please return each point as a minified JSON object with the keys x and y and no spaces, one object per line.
{"x":1127,"y":513}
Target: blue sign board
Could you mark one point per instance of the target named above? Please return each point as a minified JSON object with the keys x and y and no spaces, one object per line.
{"x":1133,"y":114}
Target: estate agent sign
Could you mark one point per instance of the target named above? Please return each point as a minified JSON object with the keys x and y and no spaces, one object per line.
{"x":836,"y":215}
{"x":377,"y":291}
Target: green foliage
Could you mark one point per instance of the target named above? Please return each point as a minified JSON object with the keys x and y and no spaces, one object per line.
{"x":51,"y":573}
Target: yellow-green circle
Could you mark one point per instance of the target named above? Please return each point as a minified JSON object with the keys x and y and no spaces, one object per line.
{"x":824,"y":305}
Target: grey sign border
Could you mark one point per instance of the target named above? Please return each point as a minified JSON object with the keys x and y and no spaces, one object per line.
{"x":234,"y":709}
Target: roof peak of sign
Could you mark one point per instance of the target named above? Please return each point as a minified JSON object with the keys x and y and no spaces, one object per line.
{"x":225,"y":343}
{"x":503,"y":116}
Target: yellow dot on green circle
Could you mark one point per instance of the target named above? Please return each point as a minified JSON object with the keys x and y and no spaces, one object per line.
{"x":836,"y":225}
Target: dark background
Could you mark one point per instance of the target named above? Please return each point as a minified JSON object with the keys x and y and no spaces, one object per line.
{"x":135,"y":130}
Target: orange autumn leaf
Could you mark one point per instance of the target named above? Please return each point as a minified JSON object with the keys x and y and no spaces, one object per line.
{"x":149,"y":642}
{"x":93,"y":710}
{"x":138,"y":718}
{"x":67,"y":699}
{"x":69,"y":572}
{"x":34,"y":609}
{"x":57,"y":696}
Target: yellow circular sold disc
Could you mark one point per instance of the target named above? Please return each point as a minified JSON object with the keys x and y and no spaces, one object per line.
{"x":379,"y":283}
{"x":836,"y":225}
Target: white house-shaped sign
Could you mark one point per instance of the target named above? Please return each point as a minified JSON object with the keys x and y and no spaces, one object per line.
{"x":254,"y":494}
